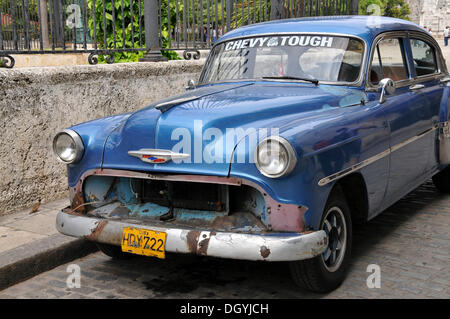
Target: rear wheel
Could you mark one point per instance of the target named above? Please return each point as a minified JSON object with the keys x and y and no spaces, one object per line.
{"x":112,"y":251}
{"x":326,"y":272}
{"x":442,"y":180}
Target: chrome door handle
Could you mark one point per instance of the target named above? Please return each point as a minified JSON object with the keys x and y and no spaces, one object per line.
{"x":416,"y":87}
{"x":445,"y":79}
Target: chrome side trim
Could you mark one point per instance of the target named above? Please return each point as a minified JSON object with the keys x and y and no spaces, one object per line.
{"x":326,"y":180}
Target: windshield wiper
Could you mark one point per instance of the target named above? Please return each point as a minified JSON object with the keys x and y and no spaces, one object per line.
{"x":288,"y":77}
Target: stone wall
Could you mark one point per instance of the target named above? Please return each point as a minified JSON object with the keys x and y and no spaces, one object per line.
{"x":39,"y":60}
{"x":36,"y":103}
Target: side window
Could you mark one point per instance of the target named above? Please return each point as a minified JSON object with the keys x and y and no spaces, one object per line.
{"x":424,"y":57}
{"x":388,"y":62}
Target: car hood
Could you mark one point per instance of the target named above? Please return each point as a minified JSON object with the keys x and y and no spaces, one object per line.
{"x":209,"y":122}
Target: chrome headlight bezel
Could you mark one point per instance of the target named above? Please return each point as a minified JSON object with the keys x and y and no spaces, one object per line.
{"x":290,"y":152}
{"x":79,"y":146}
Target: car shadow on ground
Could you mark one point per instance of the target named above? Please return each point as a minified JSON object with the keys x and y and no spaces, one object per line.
{"x":370,"y":234}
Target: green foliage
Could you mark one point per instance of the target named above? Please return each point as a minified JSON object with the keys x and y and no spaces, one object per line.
{"x":389,"y":8}
{"x":397,"y":9}
{"x":132,"y":28}
{"x":369,"y":7}
{"x":121,"y":21}
{"x":171,"y":55}
{"x":248,"y":10}
{"x":197,"y":10}
{"x":32,"y":7}
{"x":6,"y":15}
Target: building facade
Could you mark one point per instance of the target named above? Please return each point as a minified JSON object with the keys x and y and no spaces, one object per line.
{"x":434,"y":14}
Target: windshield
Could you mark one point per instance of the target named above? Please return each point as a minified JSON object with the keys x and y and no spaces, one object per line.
{"x":314,"y":57}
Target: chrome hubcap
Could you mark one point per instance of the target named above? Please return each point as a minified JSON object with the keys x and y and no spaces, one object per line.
{"x":334,"y":226}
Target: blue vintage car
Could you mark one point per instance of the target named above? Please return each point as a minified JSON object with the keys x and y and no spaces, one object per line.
{"x":296,"y":131}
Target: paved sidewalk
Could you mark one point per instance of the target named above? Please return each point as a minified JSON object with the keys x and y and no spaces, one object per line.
{"x":30,"y":244}
{"x":23,"y":228}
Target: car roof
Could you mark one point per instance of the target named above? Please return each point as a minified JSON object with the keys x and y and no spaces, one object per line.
{"x":365,"y":27}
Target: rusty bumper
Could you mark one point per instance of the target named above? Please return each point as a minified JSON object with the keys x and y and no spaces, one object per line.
{"x":264,"y":246}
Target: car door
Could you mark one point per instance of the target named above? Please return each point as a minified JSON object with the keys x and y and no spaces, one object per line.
{"x":427,"y":84}
{"x":408,"y":114}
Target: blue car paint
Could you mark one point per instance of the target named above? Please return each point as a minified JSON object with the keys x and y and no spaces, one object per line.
{"x":224,"y":110}
{"x":94,"y":134}
{"x":330,"y":127}
{"x":325,"y":144}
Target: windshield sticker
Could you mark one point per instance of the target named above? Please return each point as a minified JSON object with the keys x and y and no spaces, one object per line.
{"x":292,"y":40}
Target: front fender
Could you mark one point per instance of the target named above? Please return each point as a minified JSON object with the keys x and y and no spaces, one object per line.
{"x":94,"y":135}
{"x":325,"y":145}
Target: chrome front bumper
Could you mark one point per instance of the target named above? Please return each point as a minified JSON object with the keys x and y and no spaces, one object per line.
{"x":267,"y":246}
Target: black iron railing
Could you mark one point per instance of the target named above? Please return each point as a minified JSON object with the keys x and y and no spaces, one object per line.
{"x":107,"y":27}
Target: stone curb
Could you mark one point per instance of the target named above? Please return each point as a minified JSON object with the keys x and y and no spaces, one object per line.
{"x":29,"y":260}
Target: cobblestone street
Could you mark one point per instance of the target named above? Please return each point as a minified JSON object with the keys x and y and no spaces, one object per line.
{"x":410,"y":242}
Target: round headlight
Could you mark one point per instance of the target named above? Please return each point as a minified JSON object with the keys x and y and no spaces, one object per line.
{"x":275,"y":157}
{"x":68,"y":146}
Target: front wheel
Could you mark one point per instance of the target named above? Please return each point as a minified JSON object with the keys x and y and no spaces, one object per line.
{"x":442,"y":180}
{"x":326,"y":272}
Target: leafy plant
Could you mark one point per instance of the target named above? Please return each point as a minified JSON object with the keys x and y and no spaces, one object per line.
{"x":6,"y":15}
{"x":128,"y":32}
{"x":250,"y":10}
{"x":397,"y":9}
{"x":371,"y":7}
{"x":164,"y":20}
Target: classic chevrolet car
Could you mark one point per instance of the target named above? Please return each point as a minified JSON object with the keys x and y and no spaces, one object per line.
{"x":296,"y":131}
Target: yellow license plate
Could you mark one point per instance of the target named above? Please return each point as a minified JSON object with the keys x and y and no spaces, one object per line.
{"x":144,"y":242}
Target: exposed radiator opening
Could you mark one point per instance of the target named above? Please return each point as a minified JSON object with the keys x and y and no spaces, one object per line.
{"x":196,"y":196}
{"x":216,"y":206}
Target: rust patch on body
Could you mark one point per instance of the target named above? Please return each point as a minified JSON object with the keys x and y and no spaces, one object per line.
{"x":192,"y":240}
{"x":265,"y":252}
{"x":230,"y":222}
{"x":95,"y":234}
{"x":70,"y":211}
{"x":93,"y":198}
{"x":203,"y":247}
{"x":77,"y":203}
{"x":197,"y":245}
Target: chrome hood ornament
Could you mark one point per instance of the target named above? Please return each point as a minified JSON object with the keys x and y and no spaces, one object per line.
{"x":156,"y":156}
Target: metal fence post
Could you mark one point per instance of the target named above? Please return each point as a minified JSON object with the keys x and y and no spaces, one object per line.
{"x":59,"y":24}
{"x":229,"y":8}
{"x":276,"y":9}
{"x":354,"y":4}
{"x":44,"y":23}
{"x":153,"y":53}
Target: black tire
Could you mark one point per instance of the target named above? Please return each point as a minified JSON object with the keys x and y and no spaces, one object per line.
{"x":112,"y":251}
{"x":318,"y":274}
{"x":442,"y":180}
